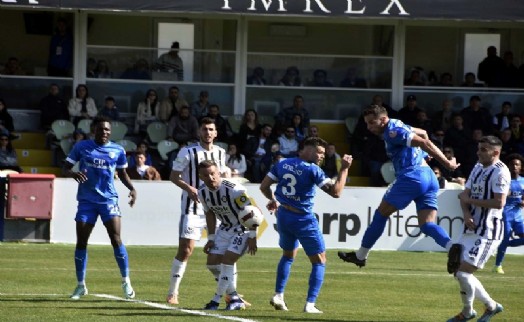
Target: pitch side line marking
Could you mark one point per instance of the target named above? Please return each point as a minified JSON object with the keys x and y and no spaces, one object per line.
{"x":166,"y":307}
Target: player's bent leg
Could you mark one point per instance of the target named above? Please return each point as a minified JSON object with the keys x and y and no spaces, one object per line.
{"x":427,"y":225}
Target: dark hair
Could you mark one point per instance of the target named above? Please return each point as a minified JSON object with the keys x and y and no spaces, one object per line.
{"x":491,"y":140}
{"x":84,"y":99}
{"x":110,"y":98}
{"x":315,"y":142}
{"x":100,"y":119}
{"x":153,"y":103}
{"x":506,"y":103}
{"x":174,"y":87}
{"x":374,"y":110}
{"x":244,"y":118}
{"x":214,"y":105}
{"x":206,"y":120}
{"x":139,"y":153}
{"x":236,"y":156}
{"x":513,"y":156}
{"x":207,"y":164}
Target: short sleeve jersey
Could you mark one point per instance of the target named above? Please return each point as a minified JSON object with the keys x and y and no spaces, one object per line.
{"x":99,"y":163}
{"x":296,"y":180}
{"x":187,"y":162}
{"x":513,"y":209}
{"x":397,"y":137}
{"x":225,"y":202}
{"x":484,"y":182}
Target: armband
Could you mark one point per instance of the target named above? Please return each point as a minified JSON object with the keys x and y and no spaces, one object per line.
{"x":252,"y":234}
{"x":211,"y":237}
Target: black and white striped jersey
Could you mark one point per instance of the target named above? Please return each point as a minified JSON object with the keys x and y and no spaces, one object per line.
{"x":187,"y":162}
{"x":484,"y":182}
{"x":225,"y":202}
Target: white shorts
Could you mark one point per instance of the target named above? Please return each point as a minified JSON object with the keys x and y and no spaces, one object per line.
{"x":233,"y":241}
{"x":191,"y":226}
{"x":478,"y":250}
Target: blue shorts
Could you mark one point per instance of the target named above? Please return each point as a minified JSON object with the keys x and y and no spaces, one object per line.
{"x":294,"y":228}
{"x":516,"y":225}
{"x":88,"y":212}
{"x":419,"y":185}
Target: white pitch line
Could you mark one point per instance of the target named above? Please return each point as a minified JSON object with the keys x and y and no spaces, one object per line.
{"x":167,"y":307}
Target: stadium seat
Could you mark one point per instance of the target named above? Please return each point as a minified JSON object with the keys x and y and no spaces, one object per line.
{"x":62,"y":128}
{"x":388,"y":172}
{"x":128,"y":145}
{"x":84,"y":125}
{"x":351,"y":124}
{"x":239,"y":180}
{"x":454,"y":186}
{"x":118,"y":131}
{"x":235,"y":121}
{"x":223,"y":145}
{"x":166,"y":146}
{"x":157,"y":131}
{"x":66,"y":145}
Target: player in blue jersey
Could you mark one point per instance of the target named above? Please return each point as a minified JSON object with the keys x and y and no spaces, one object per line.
{"x":98,"y":159}
{"x":296,"y":179}
{"x":513,"y":219}
{"x":407,"y":147}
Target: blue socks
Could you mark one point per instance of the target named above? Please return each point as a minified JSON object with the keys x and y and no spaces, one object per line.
{"x":81,"y":264}
{"x":121,"y":259}
{"x":436,"y":232}
{"x":315,"y":281}
{"x":375,"y":230}
{"x":283,"y":270}
{"x":516,"y":242}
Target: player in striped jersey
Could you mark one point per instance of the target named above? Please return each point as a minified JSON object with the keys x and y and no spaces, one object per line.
{"x":184,"y":174}
{"x":512,"y":214}
{"x":222,"y":200}
{"x":481,"y":202}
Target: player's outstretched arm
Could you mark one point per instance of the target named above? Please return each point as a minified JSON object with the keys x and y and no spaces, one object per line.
{"x":335,"y":189}
{"x":428,"y":146}
{"x":122,"y":174}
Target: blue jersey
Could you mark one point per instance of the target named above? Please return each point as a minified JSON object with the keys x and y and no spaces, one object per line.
{"x":397,"y":137}
{"x":296,"y":182}
{"x":512,"y":209}
{"x":99,"y":163}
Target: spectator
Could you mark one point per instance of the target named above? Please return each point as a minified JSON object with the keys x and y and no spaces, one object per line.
{"x":142,"y":171}
{"x":110,"y":110}
{"x":183,"y":127}
{"x":332,"y":162}
{"x":442,"y":118}
{"x":52,"y":107}
{"x":146,"y":111}
{"x":291,"y":77}
{"x":313,"y":131}
{"x":255,"y":149}
{"x":470,"y":80}
{"x":414,"y":79}
{"x":299,"y":127}
{"x":82,"y":106}
{"x":12,"y":67}
{"x":200,"y":108}
{"x":408,"y":114}
{"x":8,"y":158}
{"x":477,"y":117}
{"x":171,"y":62}
{"x":441,"y":180}
{"x":91,"y":68}
{"x":517,"y":130}
{"x":257,"y":78}
{"x":502,"y":120}
{"x":223,"y":129}
{"x":446,"y":80}
{"x":236,"y":161}
{"x":352,"y":79}
{"x":320,"y":79}
{"x":171,"y":105}
{"x":140,"y":70}
{"x":438,"y":138}
{"x":60,"y":51}
{"x":509,"y":145}
{"x":288,"y":143}
{"x":102,"y":70}
{"x":490,"y":66}
{"x":458,"y":136}
{"x":142,"y":147}
{"x":508,"y":74}
{"x":285,"y":116}
{"x":6,"y":120}
{"x":249,"y":127}
{"x":423,"y":122}
{"x":456,"y":176}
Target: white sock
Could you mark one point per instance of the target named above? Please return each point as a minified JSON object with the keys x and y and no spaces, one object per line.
{"x":467,"y":291}
{"x":177,"y":273}
{"x":126,"y":280}
{"x":215,"y":270}
{"x":233,"y":286}
{"x":82,"y":283}
{"x":448,"y":245}
{"x":363,"y":253}
{"x":280,"y":295}
{"x":482,"y":295}
{"x":225,"y":280}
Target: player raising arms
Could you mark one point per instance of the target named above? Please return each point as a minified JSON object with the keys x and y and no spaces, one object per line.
{"x":224,"y":200}
{"x":415,"y":181}
{"x":184,"y":174}
{"x":99,"y":158}
{"x":296,"y":179}
{"x":513,"y":219}
{"x":481,"y":202}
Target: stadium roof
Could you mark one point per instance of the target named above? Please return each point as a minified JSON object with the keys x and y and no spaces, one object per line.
{"x":484,"y":10}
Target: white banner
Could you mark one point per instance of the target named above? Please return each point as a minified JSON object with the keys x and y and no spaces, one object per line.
{"x":154,"y":218}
